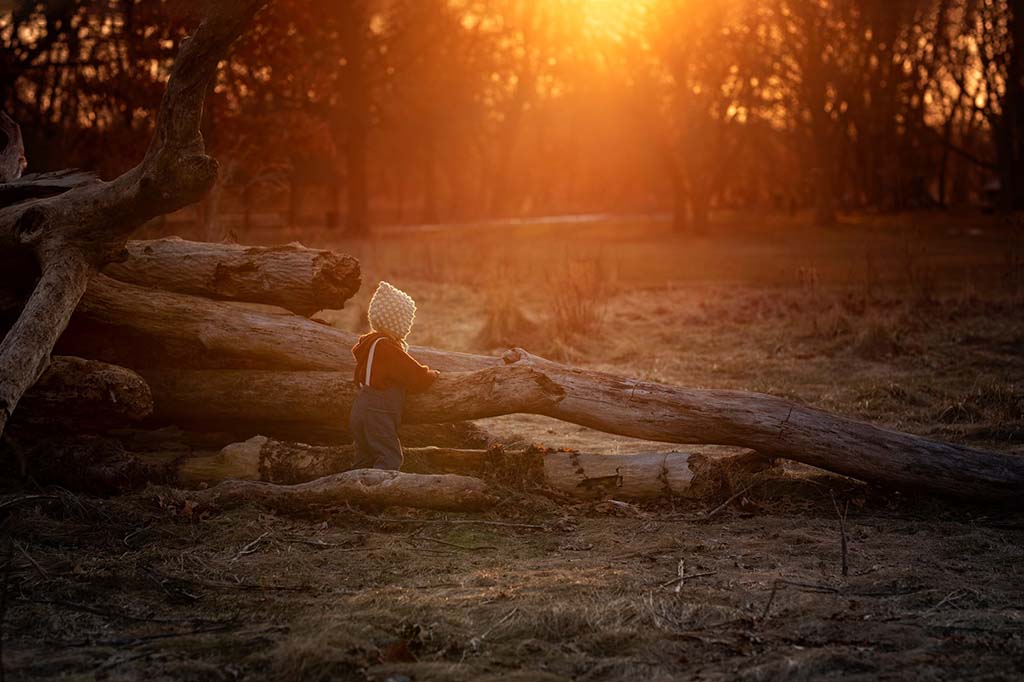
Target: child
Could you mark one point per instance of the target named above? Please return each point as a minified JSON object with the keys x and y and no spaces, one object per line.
{"x":384,"y":372}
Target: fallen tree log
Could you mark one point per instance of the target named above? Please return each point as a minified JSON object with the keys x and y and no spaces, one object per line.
{"x":274,"y":461}
{"x":289,"y":405}
{"x":139,"y":327}
{"x":583,"y":475}
{"x":84,"y":395}
{"x":292,"y":276}
{"x":363,"y":487}
{"x":91,"y":464}
{"x":772,"y":426}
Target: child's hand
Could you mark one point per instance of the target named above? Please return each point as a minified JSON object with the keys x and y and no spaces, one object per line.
{"x":434,"y":373}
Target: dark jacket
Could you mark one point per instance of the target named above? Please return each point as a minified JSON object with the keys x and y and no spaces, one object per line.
{"x":392,"y":366}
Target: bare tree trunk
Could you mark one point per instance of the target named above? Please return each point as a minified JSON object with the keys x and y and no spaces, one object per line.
{"x":355,"y":116}
{"x":213,"y":230}
{"x":680,"y":208}
{"x":294,"y":201}
{"x":429,"y":213}
{"x":25,"y":350}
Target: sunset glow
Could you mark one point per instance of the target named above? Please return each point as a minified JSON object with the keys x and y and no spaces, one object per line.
{"x":604,"y":19}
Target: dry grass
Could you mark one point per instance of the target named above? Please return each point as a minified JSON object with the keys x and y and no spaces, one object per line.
{"x":578,"y":298}
{"x":830,"y":319}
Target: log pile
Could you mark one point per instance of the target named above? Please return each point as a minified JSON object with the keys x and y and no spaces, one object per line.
{"x":216,"y":342}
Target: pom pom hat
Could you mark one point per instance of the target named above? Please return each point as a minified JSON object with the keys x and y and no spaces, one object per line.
{"x":392,"y":311}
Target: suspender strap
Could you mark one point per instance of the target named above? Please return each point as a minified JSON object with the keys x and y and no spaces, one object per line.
{"x":369,"y":361}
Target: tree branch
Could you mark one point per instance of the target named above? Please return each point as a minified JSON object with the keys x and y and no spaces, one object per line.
{"x":76,"y":232}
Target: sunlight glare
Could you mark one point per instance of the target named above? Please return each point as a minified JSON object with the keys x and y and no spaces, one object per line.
{"x":609,"y":19}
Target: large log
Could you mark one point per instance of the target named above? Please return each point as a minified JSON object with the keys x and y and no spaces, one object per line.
{"x":584,"y":475}
{"x":84,"y":395}
{"x":139,"y":327}
{"x":87,"y":463}
{"x":288,"y":405}
{"x":364,"y":487}
{"x":772,"y":426}
{"x":71,"y":235}
{"x":291,"y":276}
{"x":274,"y":461}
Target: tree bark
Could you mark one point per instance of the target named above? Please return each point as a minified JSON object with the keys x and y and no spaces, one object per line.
{"x":84,"y":395}
{"x":274,"y":461}
{"x":39,"y":185}
{"x":769,"y":425}
{"x":88,"y":463}
{"x":25,"y":350}
{"x":364,"y":487}
{"x":74,"y":233}
{"x":293,"y":277}
{"x":138,"y":328}
{"x":637,"y":476}
{"x":12,"y":150}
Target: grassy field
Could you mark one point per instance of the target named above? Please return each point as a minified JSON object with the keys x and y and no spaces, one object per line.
{"x":913,"y":322}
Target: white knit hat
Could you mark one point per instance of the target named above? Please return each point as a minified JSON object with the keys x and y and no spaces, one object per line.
{"x":392,"y":311}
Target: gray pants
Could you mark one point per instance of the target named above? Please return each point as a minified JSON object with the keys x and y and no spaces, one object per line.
{"x":373,"y":423}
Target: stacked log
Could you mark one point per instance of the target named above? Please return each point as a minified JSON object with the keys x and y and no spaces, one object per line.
{"x":59,"y":231}
{"x":304,"y":281}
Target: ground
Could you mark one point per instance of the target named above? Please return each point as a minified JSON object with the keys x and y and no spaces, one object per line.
{"x":910,"y":322}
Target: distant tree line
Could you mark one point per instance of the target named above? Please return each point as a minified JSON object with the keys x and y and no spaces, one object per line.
{"x":434,"y":110}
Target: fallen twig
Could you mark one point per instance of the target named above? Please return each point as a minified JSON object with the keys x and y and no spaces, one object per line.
{"x":810,"y":586}
{"x":726,"y":503}
{"x":679,"y":580}
{"x":842,"y":533}
{"x":768,"y":606}
{"x":40,"y":569}
{"x":251,"y":547}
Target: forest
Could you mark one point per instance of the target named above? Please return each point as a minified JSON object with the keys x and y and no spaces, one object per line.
{"x":359,"y":112}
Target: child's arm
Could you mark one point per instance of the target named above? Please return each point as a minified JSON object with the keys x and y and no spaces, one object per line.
{"x":415,"y":377}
